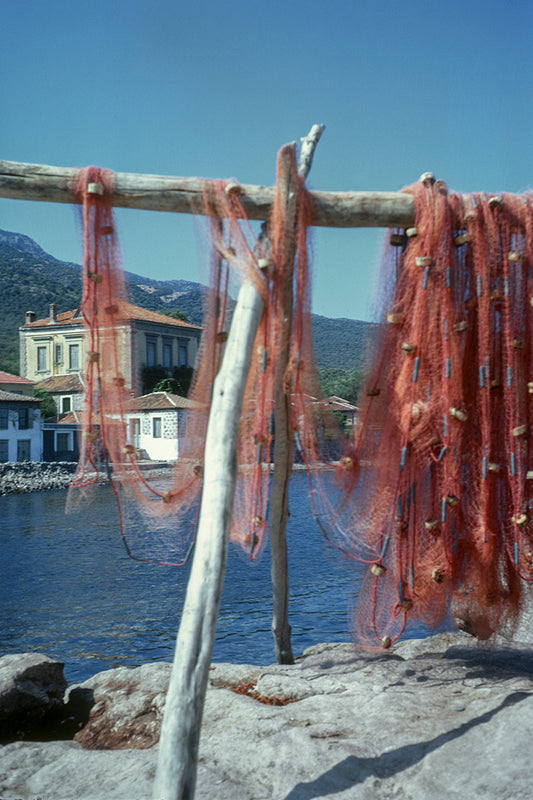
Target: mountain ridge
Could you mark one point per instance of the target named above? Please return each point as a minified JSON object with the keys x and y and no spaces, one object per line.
{"x":31,"y":279}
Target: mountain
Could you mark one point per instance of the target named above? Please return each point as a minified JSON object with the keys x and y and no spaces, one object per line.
{"x":31,"y":279}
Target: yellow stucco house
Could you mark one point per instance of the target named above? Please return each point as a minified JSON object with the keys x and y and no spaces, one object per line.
{"x":54,"y":347}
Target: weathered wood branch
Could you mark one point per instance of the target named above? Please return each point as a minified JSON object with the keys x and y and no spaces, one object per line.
{"x":279,"y":512}
{"x":180,"y":732}
{"x":279,"y":506}
{"x":21,"y":181}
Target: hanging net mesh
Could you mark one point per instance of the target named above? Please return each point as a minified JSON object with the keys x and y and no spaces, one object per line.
{"x":158,"y":518}
{"x":435,"y":491}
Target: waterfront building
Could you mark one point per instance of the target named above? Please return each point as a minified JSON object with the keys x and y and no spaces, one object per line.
{"x":54,"y":346}
{"x":16,"y":384}
{"x":157,"y":424}
{"x":20,"y":428}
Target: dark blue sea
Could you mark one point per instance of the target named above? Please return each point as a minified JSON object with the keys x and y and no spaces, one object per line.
{"x":69,"y":590}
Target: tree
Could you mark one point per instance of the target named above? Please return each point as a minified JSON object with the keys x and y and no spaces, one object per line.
{"x":48,"y":406}
{"x":177,"y":314}
{"x":345,"y":383}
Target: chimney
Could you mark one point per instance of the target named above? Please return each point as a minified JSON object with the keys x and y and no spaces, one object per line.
{"x":30,"y":317}
{"x":52,"y":312}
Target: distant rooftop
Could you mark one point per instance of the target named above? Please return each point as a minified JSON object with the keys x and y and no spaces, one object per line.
{"x":11,"y":397}
{"x":158,"y":401}
{"x":7,"y":377}
{"x":61,"y":383}
{"x":126,"y":311}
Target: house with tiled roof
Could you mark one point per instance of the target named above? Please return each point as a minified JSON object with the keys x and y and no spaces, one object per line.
{"x":55,"y":346}
{"x":346,"y":410}
{"x":157,"y":424}
{"x":20,"y":427}
{"x":16,"y":384}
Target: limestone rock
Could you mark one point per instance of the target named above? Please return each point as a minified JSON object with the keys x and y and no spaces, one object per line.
{"x":123,"y":707}
{"x":438,"y":719}
{"x":31,"y":690}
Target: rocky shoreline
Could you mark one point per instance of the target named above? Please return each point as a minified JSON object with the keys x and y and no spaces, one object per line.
{"x":35,"y":476}
{"x":429,"y":719}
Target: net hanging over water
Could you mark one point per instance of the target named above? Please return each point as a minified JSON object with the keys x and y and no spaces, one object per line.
{"x":158,"y":519}
{"x":435,"y":492}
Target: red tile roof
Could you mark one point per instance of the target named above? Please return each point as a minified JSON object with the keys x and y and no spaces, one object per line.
{"x":126,"y":311}
{"x":11,"y":397}
{"x":158,"y":401}
{"x":6,"y":377}
{"x":61,"y":383}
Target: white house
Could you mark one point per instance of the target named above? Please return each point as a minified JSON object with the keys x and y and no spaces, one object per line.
{"x":157,"y":423}
{"x":20,"y":428}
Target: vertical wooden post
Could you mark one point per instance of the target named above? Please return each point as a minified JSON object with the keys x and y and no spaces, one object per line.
{"x":180,"y":732}
{"x":279,"y":511}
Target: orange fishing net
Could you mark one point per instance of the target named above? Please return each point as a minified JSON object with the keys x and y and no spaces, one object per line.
{"x":436,"y":490}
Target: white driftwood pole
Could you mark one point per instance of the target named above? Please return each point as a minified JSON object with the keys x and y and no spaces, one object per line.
{"x":21,"y":181}
{"x":180,"y":733}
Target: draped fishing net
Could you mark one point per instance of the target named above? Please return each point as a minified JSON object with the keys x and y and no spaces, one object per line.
{"x":436,"y":490}
{"x":158,"y":518}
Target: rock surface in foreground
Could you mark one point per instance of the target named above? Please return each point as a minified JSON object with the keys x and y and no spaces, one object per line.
{"x":31,"y":693}
{"x":427,"y":720}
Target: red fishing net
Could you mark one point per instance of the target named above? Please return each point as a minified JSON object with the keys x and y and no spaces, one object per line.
{"x":436,"y":490}
{"x":158,"y":518}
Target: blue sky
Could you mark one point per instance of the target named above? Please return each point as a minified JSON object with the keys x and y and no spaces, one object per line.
{"x":214,"y":89}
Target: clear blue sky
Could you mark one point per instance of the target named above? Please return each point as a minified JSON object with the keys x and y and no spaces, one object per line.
{"x":215,"y":88}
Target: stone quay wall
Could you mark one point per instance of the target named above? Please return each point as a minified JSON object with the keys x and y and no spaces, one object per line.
{"x":34,"y":476}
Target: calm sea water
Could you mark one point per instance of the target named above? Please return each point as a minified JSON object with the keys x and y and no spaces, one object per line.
{"x":68,"y":589}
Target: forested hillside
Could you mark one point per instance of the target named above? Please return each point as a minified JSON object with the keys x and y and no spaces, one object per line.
{"x":31,"y":279}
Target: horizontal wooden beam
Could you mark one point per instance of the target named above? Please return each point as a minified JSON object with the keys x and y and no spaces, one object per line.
{"x":20,"y":181}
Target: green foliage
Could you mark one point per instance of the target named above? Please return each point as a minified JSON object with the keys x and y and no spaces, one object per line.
{"x":151,"y":377}
{"x":177,"y":314}
{"x":183,"y":377}
{"x":179,"y":383}
{"x":345,"y":383}
{"x":48,"y":407}
{"x":341,"y":343}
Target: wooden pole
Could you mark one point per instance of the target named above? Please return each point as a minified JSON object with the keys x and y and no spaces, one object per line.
{"x":180,"y":732}
{"x":21,"y":181}
{"x":279,"y":510}
{"x":279,"y":507}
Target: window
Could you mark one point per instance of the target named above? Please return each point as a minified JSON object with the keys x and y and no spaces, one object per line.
{"x":41,"y":359}
{"x":4,"y":450}
{"x":73,"y":356}
{"x":135,"y":432}
{"x":151,"y":352}
{"x":167,"y":353}
{"x":23,"y":450}
{"x":63,"y":442}
{"x":156,"y":427}
{"x":183,"y":358}
{"x":66,"y":404}
{"x":4,"y":418}
{"x":25,"y":420}
{"x":58,"y":358}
